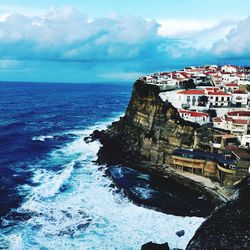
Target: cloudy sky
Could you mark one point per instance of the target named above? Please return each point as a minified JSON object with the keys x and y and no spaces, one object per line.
{"x":118,"y":40}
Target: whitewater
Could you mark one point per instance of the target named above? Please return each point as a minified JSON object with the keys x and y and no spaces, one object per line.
{"x":77,"y":207}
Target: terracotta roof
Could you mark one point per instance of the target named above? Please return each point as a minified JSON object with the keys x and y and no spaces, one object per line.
{"x":239,"y":113}
{"x":218,"y":93}
{"x":238,"y":91}
{"x":184,"y":74}
{"x":193,"y":113}
{"x":228,"y":119}
{"x":217,"y":119}
{"x":212,"y":88}
{"x":237,"y":121}
{"x":192,"y":92}
{"x":232,"y":85}
{"x":226,"y":73}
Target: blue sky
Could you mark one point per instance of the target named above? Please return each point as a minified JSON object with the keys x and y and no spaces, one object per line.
{"x":118,"y":40}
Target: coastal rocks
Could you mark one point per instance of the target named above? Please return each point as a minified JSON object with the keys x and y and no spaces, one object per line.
{"x":228,"y":227}
{"x":153,"y":246}
{"x":163,"y":194}
{"x":180,"y":233}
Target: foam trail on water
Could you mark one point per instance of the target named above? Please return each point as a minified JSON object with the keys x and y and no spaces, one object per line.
{"x":42,"y":137}
{"x":89,"y":214}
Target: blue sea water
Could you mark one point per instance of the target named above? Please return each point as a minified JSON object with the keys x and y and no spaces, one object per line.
{"x":52,"y":194}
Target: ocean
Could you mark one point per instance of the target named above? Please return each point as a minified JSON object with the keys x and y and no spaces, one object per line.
{"x":52,"y":193}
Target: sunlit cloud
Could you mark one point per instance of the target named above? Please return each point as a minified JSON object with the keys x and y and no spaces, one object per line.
{"x":116,"y":46}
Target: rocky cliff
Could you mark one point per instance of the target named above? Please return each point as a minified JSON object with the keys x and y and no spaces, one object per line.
{"x":146,"y":136}
{"x":148,"y":132}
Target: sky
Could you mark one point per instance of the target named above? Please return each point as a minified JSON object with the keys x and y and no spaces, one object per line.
{"x":118,"y":40}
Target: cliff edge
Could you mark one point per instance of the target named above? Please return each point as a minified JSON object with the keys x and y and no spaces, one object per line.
{"x":148,"y":133}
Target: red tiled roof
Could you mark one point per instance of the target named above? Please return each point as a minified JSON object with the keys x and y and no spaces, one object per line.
{"x":238,"y":91}
{"x":184,"y":74}
{"x":217,"y":119}
{"x":212,"y":88}
{"x":193,"y":113}
{"x":226,"y":73}
{"x":164,"y":73}
{"x":238,"y":121}
{"x":228,"y":119}
{"x":218,"y":93}
{"x":192,"y":92}
{"x":239,"y":113}
{"x":232,"y":85}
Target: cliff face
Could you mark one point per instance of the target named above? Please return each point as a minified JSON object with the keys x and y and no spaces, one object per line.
{"x":148,"y":132}
{"x":146,"y":136}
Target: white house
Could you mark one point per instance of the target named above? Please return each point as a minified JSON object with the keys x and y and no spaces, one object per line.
{"x":235,"y":126}
{"x":245,"y":141}
{"x":190,"y":97}
{"x":239,"y":115}
{"x":229,"y":69}
{"x":231,"y":87}
{"x":219,"y":98}
{"x":239,"y":98}
{"x":193,"y":116}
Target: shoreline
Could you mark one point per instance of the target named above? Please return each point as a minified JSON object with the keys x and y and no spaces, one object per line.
{"x":211,"y":191}
{"x":220,"y":194}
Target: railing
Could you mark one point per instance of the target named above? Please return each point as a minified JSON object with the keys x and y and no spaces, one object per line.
{"x":226,"y":170}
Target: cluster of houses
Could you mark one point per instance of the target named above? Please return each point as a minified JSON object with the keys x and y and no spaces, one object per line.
{"x":215,"y":95}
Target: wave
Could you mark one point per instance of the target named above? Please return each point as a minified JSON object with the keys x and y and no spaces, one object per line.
{"x":89,"y":214}
{"x":42,"y":137}
{"x":50,"y":182}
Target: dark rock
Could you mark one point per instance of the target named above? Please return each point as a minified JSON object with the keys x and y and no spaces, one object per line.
{"x":180,"y":233}
{"x":228,"y":227}
{"x":154,"y":246}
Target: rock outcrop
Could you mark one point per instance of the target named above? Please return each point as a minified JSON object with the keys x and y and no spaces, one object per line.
{"x":146,"y":136}
{"x":228,"y":227}
{"x":148,"y":132}
{"x":154,"y":246}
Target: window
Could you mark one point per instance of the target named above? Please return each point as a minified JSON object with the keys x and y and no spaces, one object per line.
{"x":216,"y":98}
{"x":193,"y":100}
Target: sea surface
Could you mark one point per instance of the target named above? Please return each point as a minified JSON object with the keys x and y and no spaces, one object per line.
{"x":52,"y":194}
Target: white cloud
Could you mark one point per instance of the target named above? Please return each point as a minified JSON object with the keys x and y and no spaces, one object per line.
{"x":183,"y":27}
{"x":68,"y":35}
{"x":236,"y":43}
{"x":137,"y":45}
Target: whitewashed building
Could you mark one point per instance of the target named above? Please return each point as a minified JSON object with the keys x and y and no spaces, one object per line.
{"x":194,"y":116}
{"x":239,"y":98}
{"x":234,"y":126}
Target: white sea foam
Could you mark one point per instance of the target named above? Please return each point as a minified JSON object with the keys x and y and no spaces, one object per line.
{"x":42,"y":137}
{"x":89,"y":214}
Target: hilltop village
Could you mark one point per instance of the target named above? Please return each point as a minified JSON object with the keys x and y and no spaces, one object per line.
{"x":217,"y":97}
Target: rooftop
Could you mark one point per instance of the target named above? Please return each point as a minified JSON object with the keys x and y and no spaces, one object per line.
{"x":239,"y":113}
{"x":192,"y":92}
{"x":193,"y":113}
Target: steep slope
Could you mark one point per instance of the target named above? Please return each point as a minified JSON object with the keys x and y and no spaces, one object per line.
{"x":148,"y":132}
